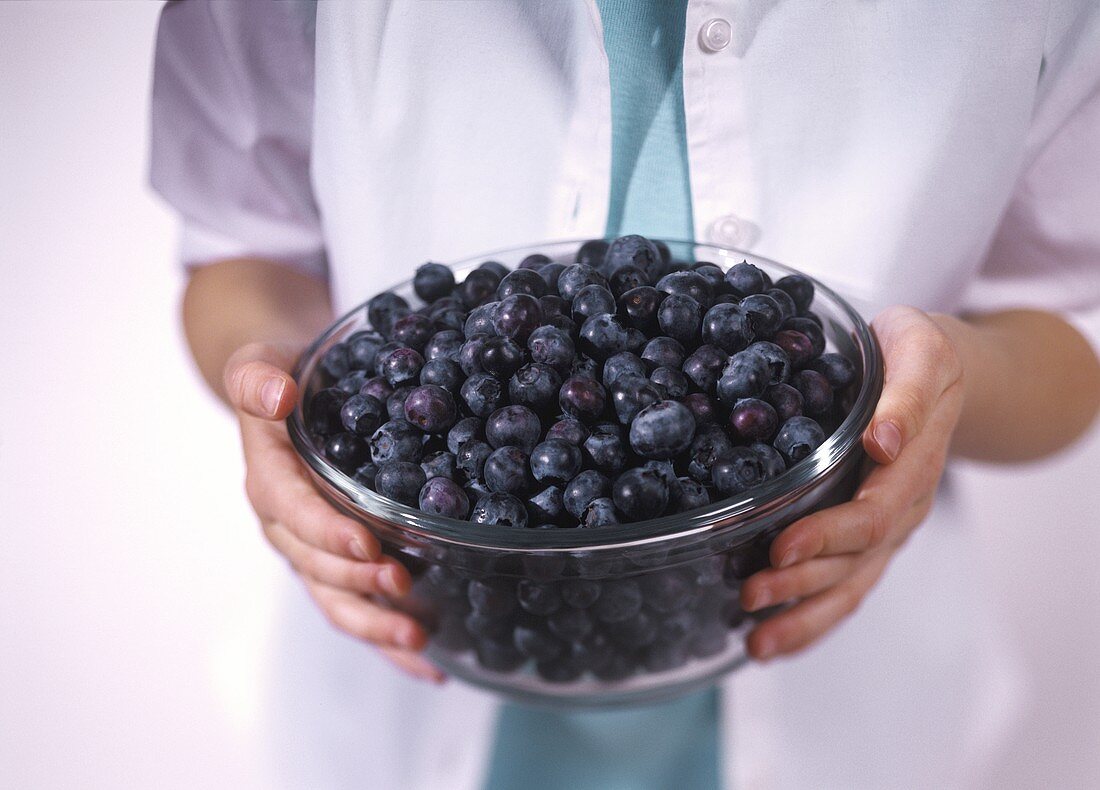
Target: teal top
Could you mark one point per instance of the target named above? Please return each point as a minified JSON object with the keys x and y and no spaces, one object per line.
{"x":673,"y":744}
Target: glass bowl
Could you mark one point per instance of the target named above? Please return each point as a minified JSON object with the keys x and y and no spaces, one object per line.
{"x":651,"y":607}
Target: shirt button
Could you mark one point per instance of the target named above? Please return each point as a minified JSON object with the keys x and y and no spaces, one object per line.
{"x":728,"y":230}
{"x":715,"y":35}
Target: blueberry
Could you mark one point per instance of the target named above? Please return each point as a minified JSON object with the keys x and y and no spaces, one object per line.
{"x":445,"y":373}
{"x":622,"y":364}
{"x":592,"y":300}
{"x":602,"y":335}
{"x":630,"y":394}
{"x":663,"y":656}
{"x":744,"y":279}
{"x":636,"y":251}
{"x":482,"y":394}
{"x":745,"y":376}
{"x":662,"y":430}
{"x":538,"y":599}
{"x":494,"y":598}
{"x":772,"y":460}
{"x":433,"y":281}
{"x":535,"y":385}
{"x":346,"y":451}
{"x":323,"y":415}
{"x":444,"y":344}
{"x":465,"y":429}
{"x":555,"y":462}
{"x":674,"y":383}
{"x":665,"y":591}
{"x":569,"y":429}
{"x":796,"y":345}
{"x":680,"y":317}
{"x":584,"y":488}
{"x":366,"y":474}
{"x":640,"y":494}
{"x":798,"y":437}
{"x":787,"y":307}
{"x":513,"y":425}
{"x":704,"y":366}
{"x":412,"y":330}
{"x":378,"y":388}
{"x":606,"y":451}
{"x":535,"y":261}
{"x":837,"y":369}
{"x":709,"y":445}
{"x":574,"y":278}
{"x":664,"y":352}
{"x":383,"y":308}
{"x":547,"y":506}
{"x":639,"y":306}
{"x":536,"y":643}
{"x":552,"y":346}
{"x":620,"y":599}
{"x":498,"y":655}
{"x":499,"y":508}
{"x":395,"y":403}
{"x":570,"y":624}
{"x":800,"y":288}
{"x":396,"y":440}
{"x":592,"y":252}
{"x":714,"y":276}
{"x":501,"y":357}
{"x":677,"y":625}
{"x":817,"y":395}
{"x":582,"y":397}
{"x":689,"y":494}
{"x":476,"y":489}
{"x":708,"y":640}
{"x":440,"y":464}
{"x":362,"y":414}
{"x":617,"y":667}
{"x":738,"y":471}
{"x":702,"y":407}
{"x":687,"y":283}
{"x":728,"y":327}
{"x":550,"y":272}
{"x":471,"y":458}
{"x":580,"y":593}
{"x":811,"y":329}
{"x":506,"y":471}
{"x":335,"y":361}
{"x":763,"y":313}
{"x":626,"y":278}
{"x":362,"y":348}
{"x":479,"y":287}
{"x":430,"y":408}
{"x":634,"y":632}
{"x":469,"y":355}
{"x":584,"y":365}
{"x":518,"y":316}
{"x":778,"y":361}
{"x":521,"y":281}
{"x":400,"y":481}
{"x":481,"y":320}
{"x":402,"y":366}
{"x":753,"y":420}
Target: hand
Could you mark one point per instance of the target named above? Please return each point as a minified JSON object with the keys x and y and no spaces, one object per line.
{"x":829,"y":560}
{"x":339,"y":560}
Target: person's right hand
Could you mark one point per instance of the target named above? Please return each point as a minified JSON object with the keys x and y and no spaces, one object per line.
{"x":339,"y":560}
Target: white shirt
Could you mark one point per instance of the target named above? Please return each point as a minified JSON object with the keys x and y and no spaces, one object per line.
{"x":945,"y":155}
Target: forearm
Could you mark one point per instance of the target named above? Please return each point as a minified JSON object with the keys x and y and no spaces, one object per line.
{"x":232,"y":303}
{"x":1031,"y":382}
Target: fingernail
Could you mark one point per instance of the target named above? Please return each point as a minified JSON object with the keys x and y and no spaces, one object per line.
{"x":889,"y":438}
{"x":766,"y":648}
{"x":790,"y":557}
{"x":270,"y":395}
{"x":358,"y":550}
{"x":408,"y":637}
{"x":390,"y":583}
{"x":763,"y":598}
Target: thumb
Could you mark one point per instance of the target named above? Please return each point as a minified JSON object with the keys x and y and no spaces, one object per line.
{"x":257,"y":381}
{"x":921,"y":363}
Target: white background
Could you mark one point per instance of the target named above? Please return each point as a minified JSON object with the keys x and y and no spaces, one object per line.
{"x":136,"y":595}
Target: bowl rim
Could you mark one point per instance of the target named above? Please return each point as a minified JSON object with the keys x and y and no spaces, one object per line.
{"x":731,"y":512}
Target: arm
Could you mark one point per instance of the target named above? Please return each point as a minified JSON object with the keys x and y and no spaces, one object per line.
{"x":1007,"y":386}
{"x":246,"y":320}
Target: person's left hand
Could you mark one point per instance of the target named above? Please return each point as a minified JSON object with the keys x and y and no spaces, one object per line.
{"x":829,"y":560}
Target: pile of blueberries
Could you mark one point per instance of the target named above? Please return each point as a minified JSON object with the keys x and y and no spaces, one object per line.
{"x":617,"y":388}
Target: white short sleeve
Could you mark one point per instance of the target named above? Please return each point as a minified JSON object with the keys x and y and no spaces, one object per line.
{"x":232,"y":113}
{"x":1046,"y":252}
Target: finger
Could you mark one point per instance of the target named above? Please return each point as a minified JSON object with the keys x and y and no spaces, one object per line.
{"x":386,"y":577}
{"x":358,"y":617}
{"x":258,"y":383}
{"x":770,"y":586}
{"x":413,"y":664}
{"x":279,"y":490}
{"x":921,"y":363}
{"x":804,"y":623}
